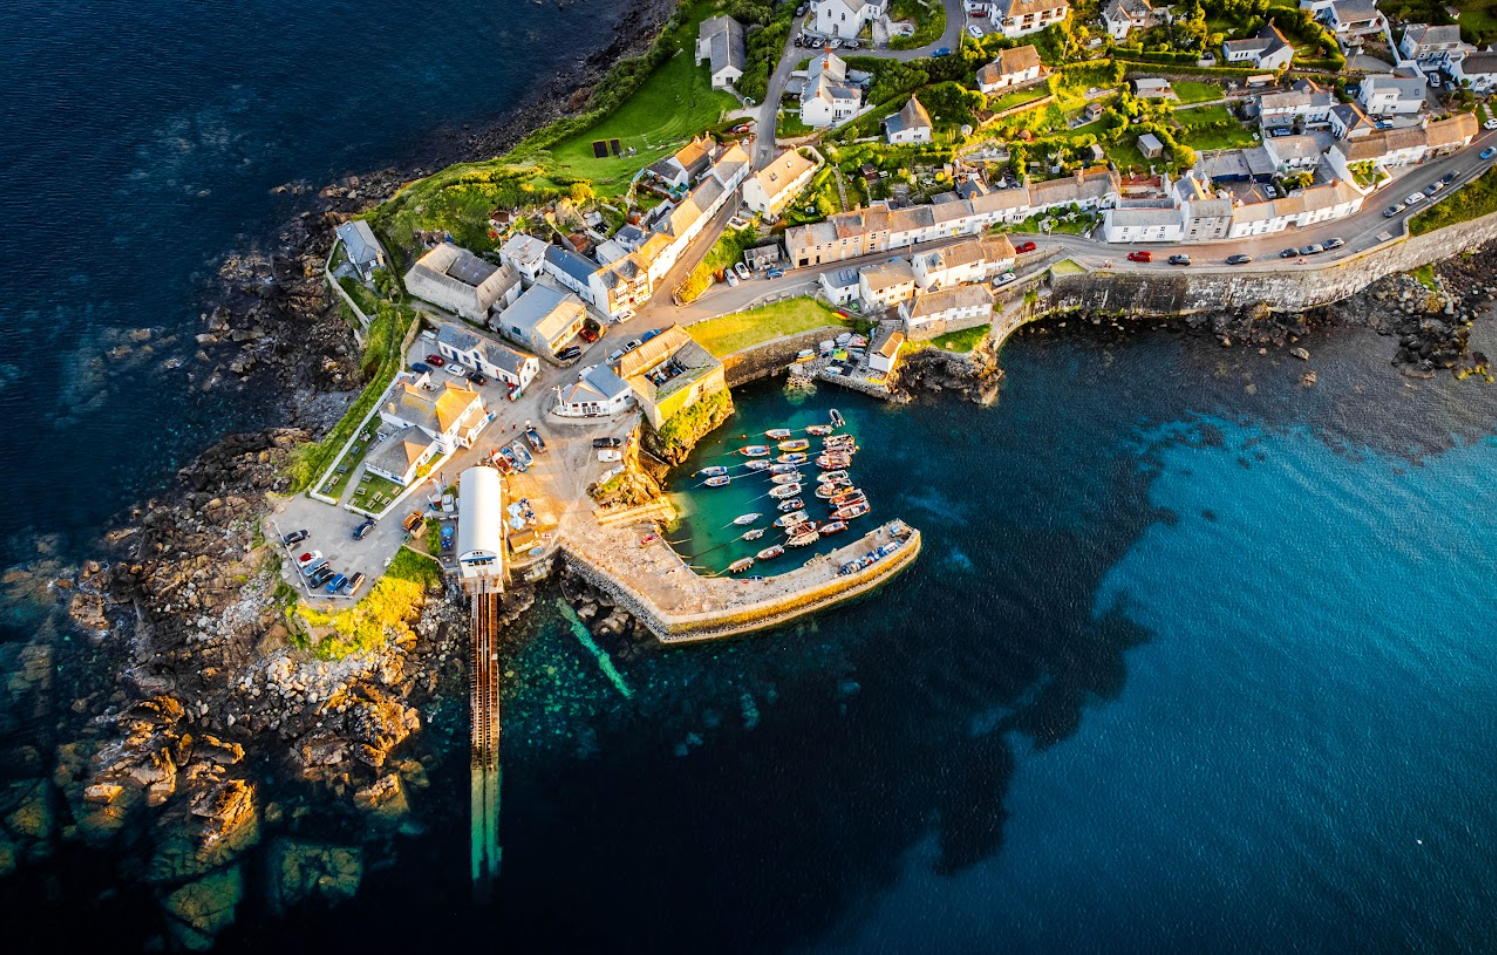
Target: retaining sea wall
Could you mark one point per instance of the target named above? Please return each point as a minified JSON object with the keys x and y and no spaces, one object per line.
{"x":771,"y":357}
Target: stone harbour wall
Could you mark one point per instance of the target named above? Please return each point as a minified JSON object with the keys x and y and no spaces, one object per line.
{"x":771,"y":357}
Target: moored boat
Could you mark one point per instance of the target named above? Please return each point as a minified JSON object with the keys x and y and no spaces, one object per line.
{"x":797,"y":444}
{"x":782,"y":468}
{"x":794,"y":457}
{"x":739,"y":566}
{"x":523,"y":460}
{"x":755,"y":451}
{"x":757,"y":464}
{"x":754,"y":534}
{"x":831,"y":477}
{"x":828,"y":491}
{"x":805,"y":355}
{"x":837,"y":420}
{"x":850,"y":511}
{"x":804,"y":540}
{"x":819,"y":430}
{"x":836,"y":441}
{"x":784,"y":491}
{"x":849,"y":496}
{"x":775,"y":434}
{"x":794,"y":504}
{"x":843,"y":338}
{"x":722,"y":480}
{"x":792,"y":478}
{"x":769,"y":553}
{"x":835,"y":527}
{"x":743,"y":520}
{"x":714,"y":471}
{"x":833,"y":460}
{"x":790,"y":520}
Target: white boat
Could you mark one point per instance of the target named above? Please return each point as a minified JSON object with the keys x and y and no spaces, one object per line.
{"x":819,"y":430}
{"x":713,"y":471}
{"x":843,"y":339}
{"x":758,"y":464}
{"x":784,"y":491}
{"x":828,"y":491}
{"x":792,"y":478}
{"x":804,"y":540}
{"x":849,"y":496}
{"x":835,"y":527}
{"x":831,"y":477}
{"x":794,"y":504}
{"x":782,"y":468}
{"x":837,"y":420}
{"x":744,"y":520}
{"x":754,"y":451}
{"x":794,"y":457}
{"x":790,"y":520}
{"x":850,"y":511}
{"x":754,"y":534}
{"x":739,"y":566}
{"x":833,"y":460}
{"x":775,"y":434}
{"x":770,"y":552}
{"x":722,"y":480}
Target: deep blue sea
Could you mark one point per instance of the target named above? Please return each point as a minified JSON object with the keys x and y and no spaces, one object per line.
{"x":1196,"y":658}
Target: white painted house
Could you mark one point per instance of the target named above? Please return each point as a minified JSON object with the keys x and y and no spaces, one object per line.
{"x":827,"y":97}
{"x":1383,"y":94}
{"x":952,"y":309}
{"x":1013,"y":67}
{"x":972,"y":260}
{"x":886,"y":284}
{"x":597,"y":393}
{"x":720,"y":44}
{"x":1122,"y":17}
{"x":1016,"y":18}
{"x":910,"y":125}
{"x":450,"y":414}
{"x":1145,"y":224}
{"x":526,"y":253}
{"x":846,"y":18}
{"x":1266,"y":51}
{"x":363,"y":249}
{"x":885,"y":351}
{"x":771,"y":188}
{"x":1428,"y":44}
{"x":486,"y":356}
{"x":1475,"y":71}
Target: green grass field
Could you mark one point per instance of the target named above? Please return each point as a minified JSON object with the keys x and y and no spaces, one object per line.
{"x":1191,"y":92}
{"x":961,"y":342}
{"x":674,"y":104}
{"x":1234,"y":137}
{"x":730,"y":333}
{"x":1202,"y":116}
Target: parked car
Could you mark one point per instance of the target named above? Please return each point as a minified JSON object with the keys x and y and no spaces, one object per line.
{"x":567,"y":354}
{"x":1489,"y":152}
{"x":652,"y":333}
{"x":1141,"y":256}
{"x":311,"y":569}
{"x":1393,"y":210}
{"x":421,"y":368}
{"x":974,"y":31}
{"x":336,"y":584}
{"x":943,"y":51}
{"x":591,"y":335}
{"x":774,"y":274}
{"x":1433,"y":188}
{"x":1239,"y":259}
{"x":458,"y":371}
{"x":632,"y":344}
{"x":742,"y":270}
{"x":308,"y":558}
{"x":731,"y":278}
{"x":850,"y":44}
{"x":1412,"y":198}
{"x":323,"y":575}
{"x":1448,"y":178}
{"x":1312,"y":249}
{"x":295,"y":537}
{"x":436,"y":360}
{"x":1288,"y":253}
{"x":607,"y":443}
{"x":1335,"y":243}
{"x":1024,"y":247}
{"x":355,"y":584}
{"x":615,"y":355}
{"x":1180,"y":259}
{"x":362,"y":531}
{"x":478,"y":379}
{"x":1489,"y":124}
{"x":741,"y":128}
{"x":800,"y":11}
{"x":1004,"y":279}
{"x":1271,"y":191}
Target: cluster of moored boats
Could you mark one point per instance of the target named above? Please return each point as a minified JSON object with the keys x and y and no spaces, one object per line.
{"x":790,"y":486}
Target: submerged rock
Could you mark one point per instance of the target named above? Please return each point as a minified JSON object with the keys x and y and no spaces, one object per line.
{"x":198,"y":911}
{"x":304,"y":870}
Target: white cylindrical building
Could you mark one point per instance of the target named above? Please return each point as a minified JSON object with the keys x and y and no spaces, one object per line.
{"x":480,"y":523}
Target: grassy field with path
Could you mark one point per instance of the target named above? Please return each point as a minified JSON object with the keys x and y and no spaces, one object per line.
{"x":730,"y":333}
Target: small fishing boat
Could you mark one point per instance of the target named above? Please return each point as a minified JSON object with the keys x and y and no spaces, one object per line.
{"x":522,"y":457}
{"x":857,"y":341}
{"x":797,"y":444}
{"x":805,"y":355}
{"x":804,"y":540}
{"x":792,"y":478}
{"x":834,"y":460}
{"x":819,"y":430}
{"x":739,"y":566}
{"x":794,"y":504}
{"x":837,"y":441}
{"x":758,"y":464}
{"x":828,"y":491}
{"x":769,"y":553}
{"x":505,"y":465}
{"x":754,"y":534}
{"x":790,"y":520}
{"x":783,"y":492}
{"x":837,"y":420}
{"x":794,"y":457}
{"x":835,"y":527}
{"x":850,"y":496}
{"x":534,"y":437}
{"x":782,"y":468}
{"x":722,"y":480}
{"x":850,"y":511}
{"x":775,"y":434}
{"x":744,"y":520}
{"x":843,"y":338}
{"x":831,"y":477}
{"x":712,"y":471}
{"x":755,"y":451}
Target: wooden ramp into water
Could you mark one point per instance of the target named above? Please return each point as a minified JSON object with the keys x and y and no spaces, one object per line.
{"x":483,"y":676}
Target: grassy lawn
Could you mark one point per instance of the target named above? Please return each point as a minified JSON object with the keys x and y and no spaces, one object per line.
{"x":930,"y":22}
{"x":372,"y":485}
{"x":790,"y":126}
{"x":1476,"y":199}
{"x":1203,"y":116}
{"x":961,"y":342}
{"x":343,"y":469}
{"x":730,"y":333}
{"x":1234,"y":137}
{"x":1016,"y":98}
{"x":386,"y":613}
{"x":1125,"y":155}
{"x":1066,"y":267}
{"x":674,"y":104}
{"x":1191,"y":92}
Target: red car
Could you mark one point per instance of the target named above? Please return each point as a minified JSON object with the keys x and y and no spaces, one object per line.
{"x":740,"y":128}
{"x":1140,"y":256}
{"x":436,"y":360}
{"x":1023,"y":247}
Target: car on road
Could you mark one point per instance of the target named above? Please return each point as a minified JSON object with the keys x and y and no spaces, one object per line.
{"x":1448,"y":178}
{"x":943,"y":51}
{"x":436,"y":360}
{"x":567,"y":354}
{"x":742,"y":270}
{"x":336,"y":584}
{"x":1412,"y":198}
{"x":1335,"y":243}
{"x":974,"y":31}
{"x":649,"y":334}
{"x":1288,"y":253}
{"x":775,"y":274}
{"x":459,"y":371}
{"x":850,"y":44}
{"x":1004,"y":279}
{"x":1024,"y":247}
{"x":295,"y":537}
{"x":1141,"y":256}
{"x":354,"y":584}
{"x":1489,"y":152}
{"x":731,"y":278}
{"x":1393,"y":210}
{"x":599,"y":443}
{"x":421,"y":368}
{"x":362,"y":531}
{"x":323,"y":575}
{"x":1179,"y":259}
{"x":1239,"y":259}
{"x":1489,"y":124}
{"x":615,"y":355}
{"x":632,"y":344}
{"x":800,"y":11}
{"x":309,"y":558}
{"x":477,"y":378}
{"x":1312,"y":249}
{"x":1433,"y":188}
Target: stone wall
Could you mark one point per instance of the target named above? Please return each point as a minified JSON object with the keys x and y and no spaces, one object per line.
{"x":760,"y":361}
{"x":928,"y":330}
{"x":1290,"y":290}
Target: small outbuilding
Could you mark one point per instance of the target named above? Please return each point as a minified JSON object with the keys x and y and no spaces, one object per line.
{"x":1150,"y":146}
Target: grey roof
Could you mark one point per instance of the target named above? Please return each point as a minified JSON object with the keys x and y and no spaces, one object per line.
{"x":605,"y":382}
{"x":1355,"y":9}
{"x":1145,"y":217}
{"x":469,"y":269}
{"x":725,"y":39}
{"x":577,"y":266}
{"x":505,"y":358}
{"x":359,"y":240}
{"x":532,"y":308}
{"x":1408,"y":87}
{"x":913,"y":116}
{"x":454,"y":337}
{"x":842,"y":278}
{"x":1425,"y":35}
{"x":1482,"y":62}
{"x":630,"y":237}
